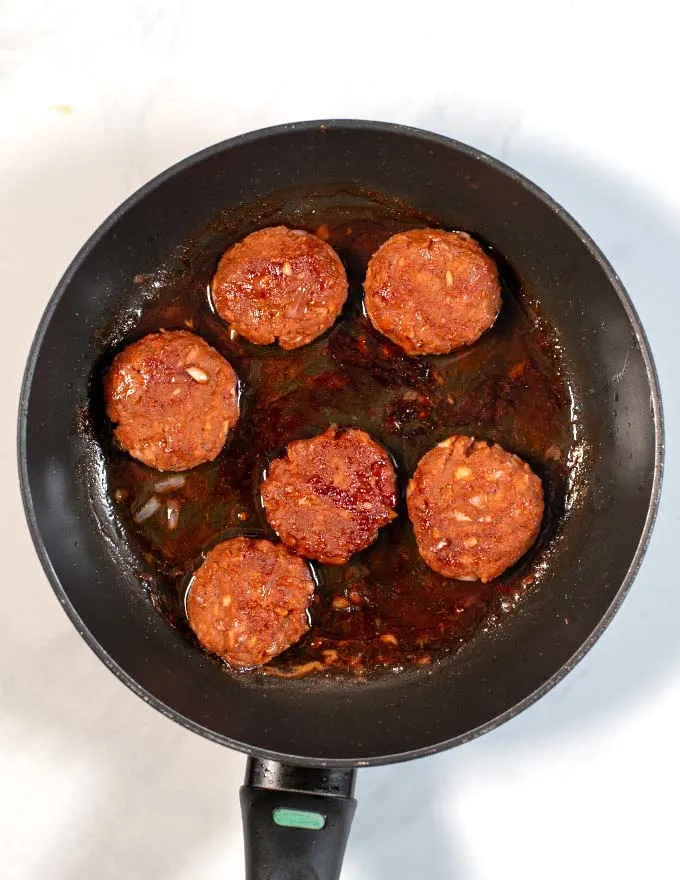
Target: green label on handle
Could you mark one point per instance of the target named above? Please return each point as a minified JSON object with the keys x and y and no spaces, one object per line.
{"x":298,"y":819}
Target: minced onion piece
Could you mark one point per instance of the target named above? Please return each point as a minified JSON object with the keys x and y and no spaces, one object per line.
{"x":173,"y":515}
{"x":197,"y":374}
{"x":174,"y":482}
{"x":296,"y":671}
{"x":147,"y":510}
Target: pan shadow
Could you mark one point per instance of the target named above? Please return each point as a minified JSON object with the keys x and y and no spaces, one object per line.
{"x":640,"y":650}
{"x":163,"y":800}
{"x":401,"y":829}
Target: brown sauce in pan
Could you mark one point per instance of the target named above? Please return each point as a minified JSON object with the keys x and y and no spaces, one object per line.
{"x":384,"y":610}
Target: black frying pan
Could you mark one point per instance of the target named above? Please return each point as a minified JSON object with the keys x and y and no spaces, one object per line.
{"x":306,"y":736}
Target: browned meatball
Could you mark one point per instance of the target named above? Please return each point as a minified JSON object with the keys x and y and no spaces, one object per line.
{"x":173,"y":399}
{"x":248,"y":601}
{"x":475,"y":508}
{"x":329,"y":496}
{"x":431,"y":291}
{"x":280,"y":283}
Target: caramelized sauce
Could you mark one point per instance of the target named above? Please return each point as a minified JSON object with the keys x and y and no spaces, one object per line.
{"x":385,"y":609}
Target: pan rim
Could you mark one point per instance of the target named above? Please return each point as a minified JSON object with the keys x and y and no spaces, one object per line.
{"x":392,"y":129}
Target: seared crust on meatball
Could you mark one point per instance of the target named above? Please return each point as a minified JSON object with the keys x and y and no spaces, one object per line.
{"x":280,"y":283}
{"x":173,"y":398}
{"x":475,"y":508}
{"x":328,"y":496}
{"x":248,"y":601}
{"x":431,"y":291}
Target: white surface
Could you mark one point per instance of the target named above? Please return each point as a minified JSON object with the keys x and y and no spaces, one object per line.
{"x":581,"y":97}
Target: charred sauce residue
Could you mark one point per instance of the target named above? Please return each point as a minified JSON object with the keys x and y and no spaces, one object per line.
{"x":384,"y":609}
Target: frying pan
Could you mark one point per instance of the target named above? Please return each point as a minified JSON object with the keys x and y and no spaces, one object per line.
{"x":306,"y":737}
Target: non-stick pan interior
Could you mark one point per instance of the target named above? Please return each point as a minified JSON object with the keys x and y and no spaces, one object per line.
{"x":615,"y":404}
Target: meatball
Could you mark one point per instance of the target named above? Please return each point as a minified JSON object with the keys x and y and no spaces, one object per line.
{"x":173,"y":399}
{"x":249,"y":601}
{"x":431,"y":291}
{"x":475,"y":508}
{"x":329,"y":496}
{"x":280,"y":283}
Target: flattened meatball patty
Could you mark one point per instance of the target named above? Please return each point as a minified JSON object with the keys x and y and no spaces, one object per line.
{"x":431,"y":291}
{"x":475,"y":508}
{"x":173,"y":399}
{"x":248,"y":601}
{"x":280,"y":283}
{"x":329,"y":496}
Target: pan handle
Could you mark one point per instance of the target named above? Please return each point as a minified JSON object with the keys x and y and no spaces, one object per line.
{"x":296,"y":820}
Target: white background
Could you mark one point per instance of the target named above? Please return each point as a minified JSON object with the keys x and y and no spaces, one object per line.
{"x":95,"y":98}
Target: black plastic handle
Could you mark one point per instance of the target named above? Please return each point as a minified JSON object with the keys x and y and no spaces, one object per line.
{"x":296,"y":820}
